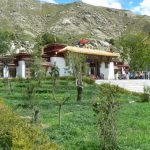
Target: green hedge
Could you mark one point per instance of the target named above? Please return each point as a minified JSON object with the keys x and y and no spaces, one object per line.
{"x":17,"y":133}
{"x":119,"y":89}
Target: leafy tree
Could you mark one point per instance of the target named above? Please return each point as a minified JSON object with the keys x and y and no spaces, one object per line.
{"x":135,"y":49}
{"x":110,"y":41}
{"x":38,"y":73}
{"x":54,"y":73}
{"x":47,"y":38}
{"x":32,"y":86}
{"x":6,"y":39}
{"x":78,"y":67}
{"x":42,"y":40}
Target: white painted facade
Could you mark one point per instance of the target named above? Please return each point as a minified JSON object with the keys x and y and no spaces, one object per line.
{"x":60,"y":63}
{"x":107,"y":70}
{"x":148,"y":75}
{"x":21,"y":69}
{"x":5,"y":72}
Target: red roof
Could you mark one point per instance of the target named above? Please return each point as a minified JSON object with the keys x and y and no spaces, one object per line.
{"x":83,"y":41}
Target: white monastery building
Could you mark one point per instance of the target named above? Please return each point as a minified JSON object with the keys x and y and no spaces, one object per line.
{"x":100,"y":62}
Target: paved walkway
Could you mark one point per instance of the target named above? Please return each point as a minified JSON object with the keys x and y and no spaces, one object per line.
{"x":131,"y":85}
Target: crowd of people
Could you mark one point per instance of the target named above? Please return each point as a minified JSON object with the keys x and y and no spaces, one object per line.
{"x":126,"y":76}
{"x":133,"y":75}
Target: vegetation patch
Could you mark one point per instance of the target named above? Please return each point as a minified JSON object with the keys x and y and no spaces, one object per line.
{"x":79,"y":128}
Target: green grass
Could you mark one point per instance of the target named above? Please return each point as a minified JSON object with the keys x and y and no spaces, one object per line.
{"x":134,"y":126}
{"x":79,"y":129}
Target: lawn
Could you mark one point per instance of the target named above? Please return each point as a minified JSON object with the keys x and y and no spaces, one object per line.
{"x":79,"y":129}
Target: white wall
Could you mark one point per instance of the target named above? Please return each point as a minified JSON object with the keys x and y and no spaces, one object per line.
{"x":60,"y":63}
{"x":5,"y":72}
{"x":111,"y":71}
{"x":108,"y":72}
{"x":148,"y":75}
{"x":21,"y":69}
{"x":104,"y":70}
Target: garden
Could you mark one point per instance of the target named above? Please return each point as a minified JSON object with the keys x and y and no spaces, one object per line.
{"x":73,"y":125}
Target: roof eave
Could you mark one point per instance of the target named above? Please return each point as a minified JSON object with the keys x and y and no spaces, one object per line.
{"x":89,"y":52}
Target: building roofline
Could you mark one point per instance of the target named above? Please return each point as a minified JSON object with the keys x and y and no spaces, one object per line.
{"x":87,"y":51}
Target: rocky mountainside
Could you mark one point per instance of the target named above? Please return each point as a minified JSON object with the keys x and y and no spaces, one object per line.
{"x":70,"y":20}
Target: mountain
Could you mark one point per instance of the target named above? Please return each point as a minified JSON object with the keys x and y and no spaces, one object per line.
{"x":70,"y":21}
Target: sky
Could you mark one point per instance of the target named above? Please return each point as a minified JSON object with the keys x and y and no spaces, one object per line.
{"x":141,"y":7}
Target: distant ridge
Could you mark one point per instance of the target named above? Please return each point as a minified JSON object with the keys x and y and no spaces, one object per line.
{"x":70,"y":20}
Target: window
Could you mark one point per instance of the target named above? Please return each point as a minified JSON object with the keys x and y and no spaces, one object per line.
{"x":106,"y":64}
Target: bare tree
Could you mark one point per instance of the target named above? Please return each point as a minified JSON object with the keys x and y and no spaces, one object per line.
{"x":59,"y":100}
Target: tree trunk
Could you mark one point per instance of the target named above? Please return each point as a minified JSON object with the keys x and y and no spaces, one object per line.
{"x":79,"y":93}
{"x":10,"y":86}
{"x":36,"y":116}
{"x":59,"y":116}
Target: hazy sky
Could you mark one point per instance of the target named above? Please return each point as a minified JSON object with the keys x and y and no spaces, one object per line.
{"x":137,"y":6}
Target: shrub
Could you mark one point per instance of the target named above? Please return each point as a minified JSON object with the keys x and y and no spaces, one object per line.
{"x":67,"y":78}
{"x":17,"y":133}
{"x":48,"y":78}
{"x":72,"y":78}
{"x":146,"y":94}
{"x":118,"y":89}
{"x":106,"y":108}
{"x":61,"y":78}
{"x":88,"y":80}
